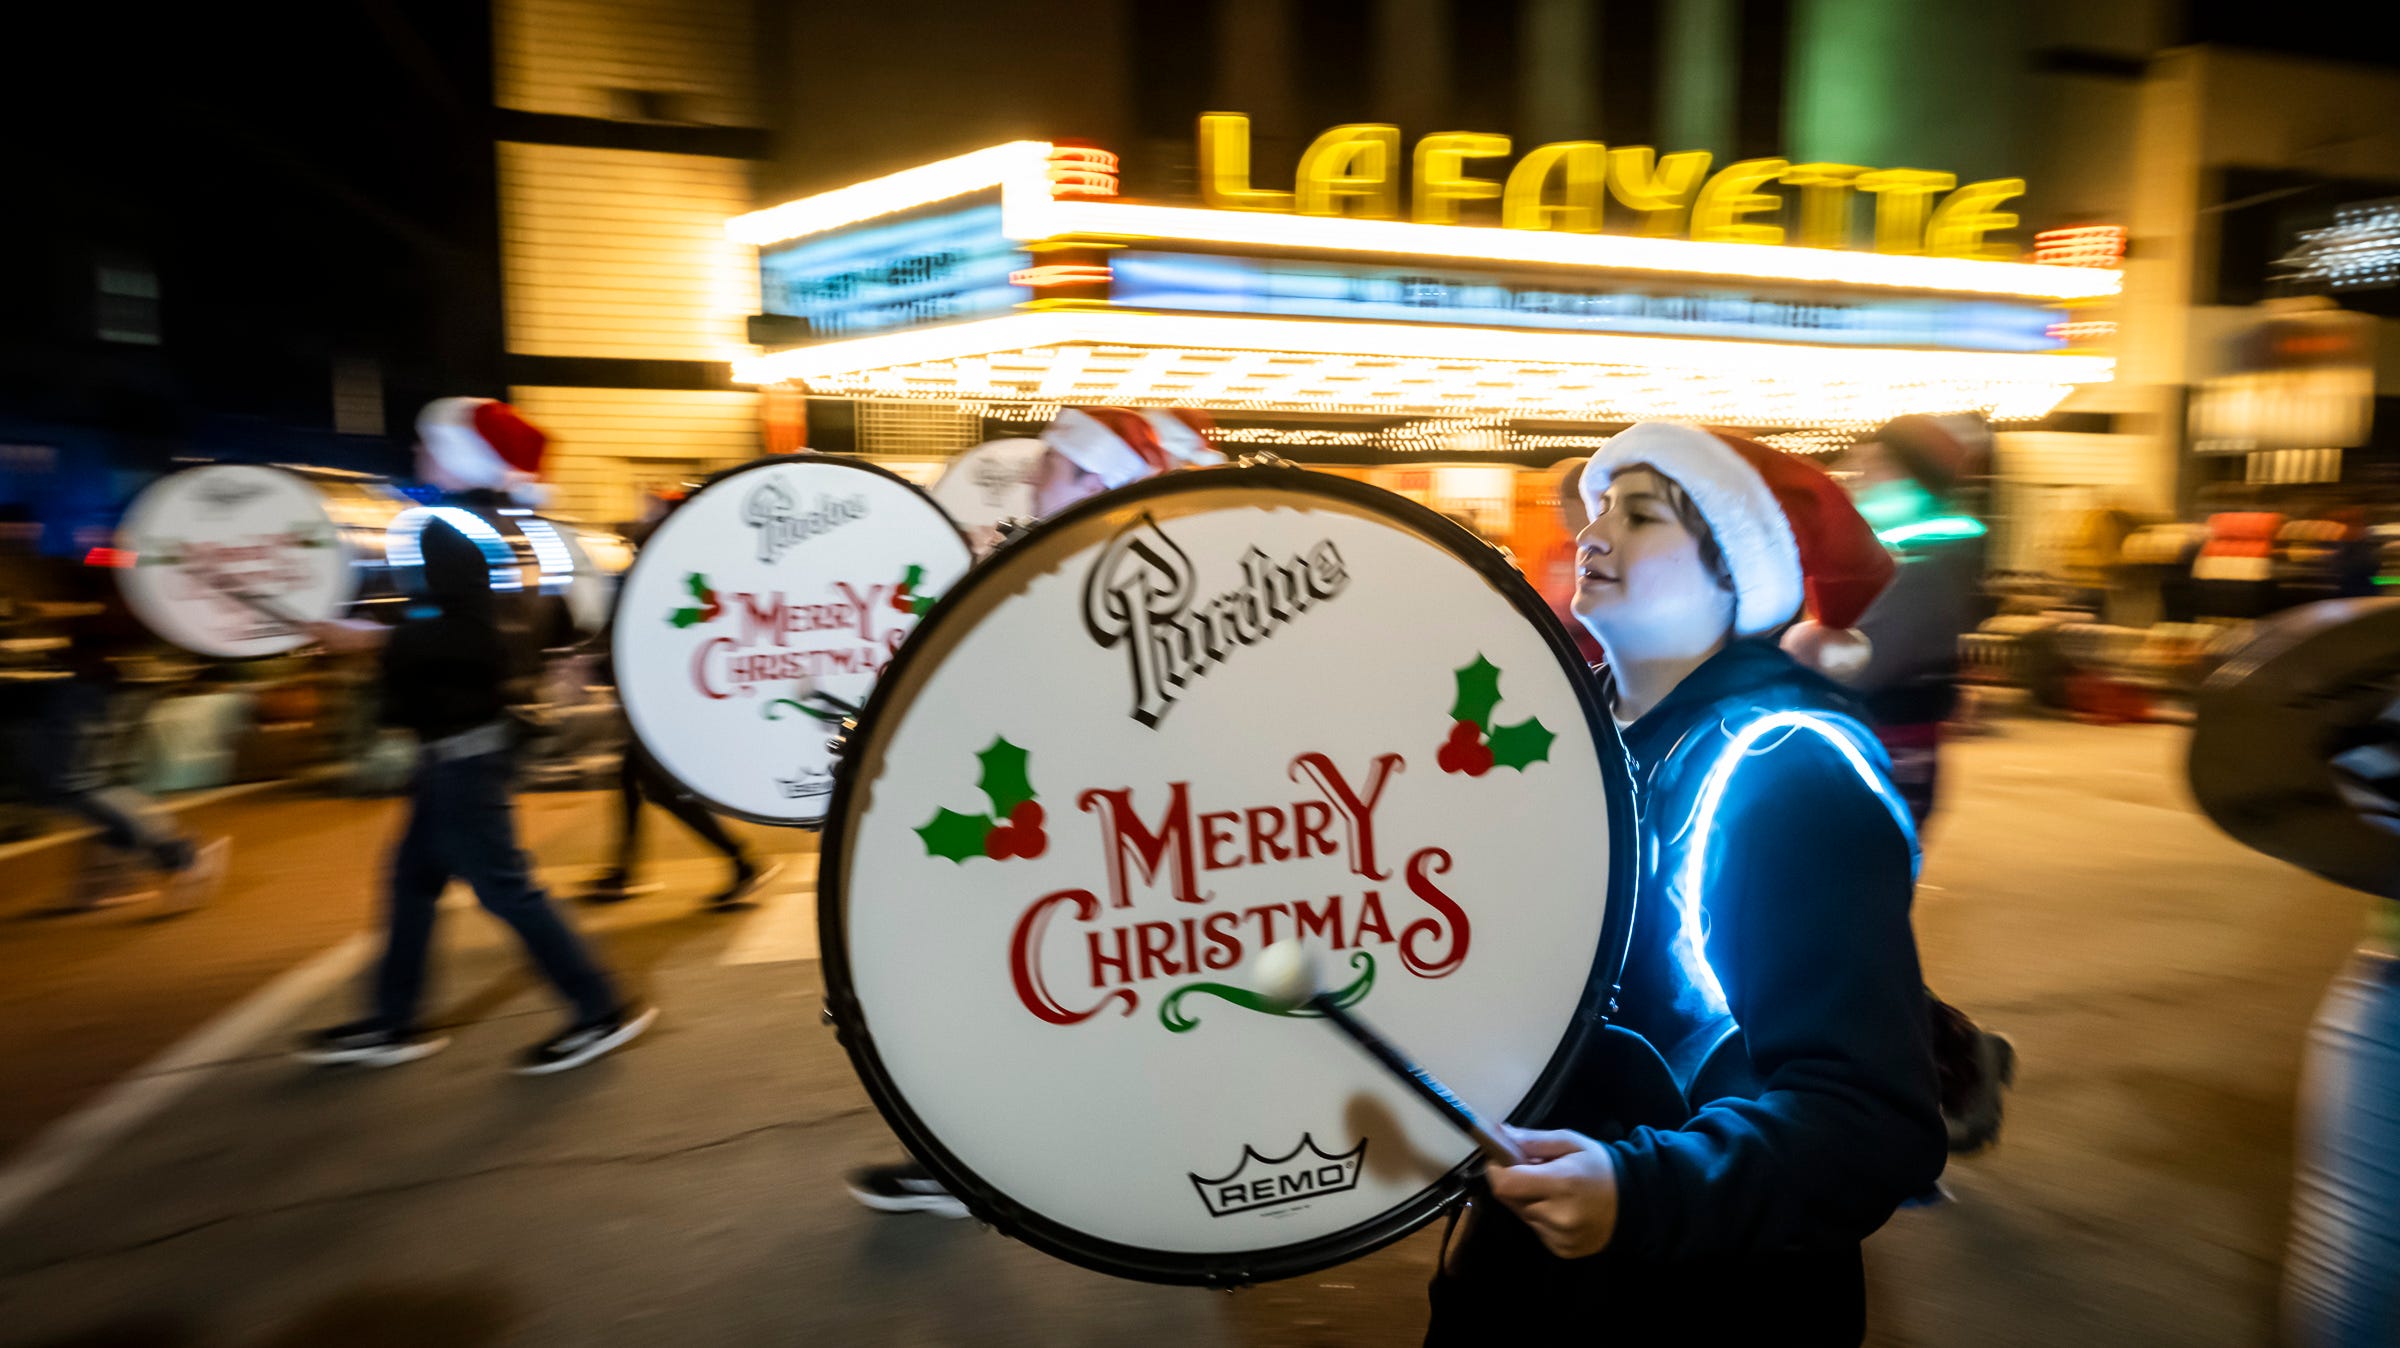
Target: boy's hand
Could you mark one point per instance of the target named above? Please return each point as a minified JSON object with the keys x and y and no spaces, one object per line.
{"x":1567,"y":1193}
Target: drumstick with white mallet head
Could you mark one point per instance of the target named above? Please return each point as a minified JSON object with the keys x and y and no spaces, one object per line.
{"x":1287,"y":977}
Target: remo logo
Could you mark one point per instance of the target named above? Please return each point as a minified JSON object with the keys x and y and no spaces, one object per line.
{"x":772,"y":595}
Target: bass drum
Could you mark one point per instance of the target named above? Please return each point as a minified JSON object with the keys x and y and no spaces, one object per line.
{"x":2309,"y":684}
{"x":767,"y":603}
{"x":1172,"y":725}
{"x":229,"y":560}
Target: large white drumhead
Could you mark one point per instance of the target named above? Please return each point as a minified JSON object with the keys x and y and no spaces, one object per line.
{"x":1245,"y":704}
{"x":775,"y":581}
{"x":229,"y":558}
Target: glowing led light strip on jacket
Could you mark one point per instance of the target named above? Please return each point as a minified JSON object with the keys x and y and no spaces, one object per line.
{"x":1032,"y":211}
{"x":1689,"y":943}
{"x":401,"y":546}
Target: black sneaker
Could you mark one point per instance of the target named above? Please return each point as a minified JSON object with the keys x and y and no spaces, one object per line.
{"x":747,"y":881}
{"x":906,"y":1187}
{"x":367,"y":1043}
{"x":578,"y":1044}
{"x":1974,"y":1118}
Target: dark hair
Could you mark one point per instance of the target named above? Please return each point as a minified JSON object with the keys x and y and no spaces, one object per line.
{"x":1687,"y":513}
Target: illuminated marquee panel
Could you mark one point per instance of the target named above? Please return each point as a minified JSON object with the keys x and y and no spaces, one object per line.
{"x":1213,"y":284}
{"x":1236,"y":364}
{"x":895,"y":272}
{"x":1031,"y":212}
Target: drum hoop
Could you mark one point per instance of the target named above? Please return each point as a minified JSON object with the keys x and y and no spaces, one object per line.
{"x":642,"y":554}
{"x":1234,"y":1269}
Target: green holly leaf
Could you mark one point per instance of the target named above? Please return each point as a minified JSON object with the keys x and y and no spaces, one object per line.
{"x":697,"y":584}
{"x":1478,"y":693}
{"x":956,"y":836}
{"x":911,"y":579}
{"x":1528,"y":741}
{"x":1004,"y":779}
{"x":684,"y":617}
{"x":920,"y":605}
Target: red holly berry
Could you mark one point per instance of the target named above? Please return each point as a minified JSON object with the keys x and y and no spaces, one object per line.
{"x":902,"y":601}
{"x":1000,"y":843}
{"x":1448,"y":757}
{"x":1031,"y":841}
{"x":1478,"y":760}
{"x":1027,"y":815}
{"x":1464,"y":733}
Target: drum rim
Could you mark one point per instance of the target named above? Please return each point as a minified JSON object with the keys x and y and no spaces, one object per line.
{"x":1597,"y":1006}
{"x":641,"y":552}
{"x":349,"y":593}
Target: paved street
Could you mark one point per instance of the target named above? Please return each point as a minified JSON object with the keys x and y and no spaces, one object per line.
{"x":2155,"y":976}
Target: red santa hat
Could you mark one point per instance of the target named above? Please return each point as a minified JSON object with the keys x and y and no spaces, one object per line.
{"x":1788,"y":533}
{"x":481,"y":442}
{"x":1120,"y":445}
{"x":1939,"y":452}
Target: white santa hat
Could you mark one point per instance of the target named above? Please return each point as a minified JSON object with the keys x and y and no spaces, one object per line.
{"x":1119,"y":445}
{"x":1789,"y":534}
{"x":481,"y":442}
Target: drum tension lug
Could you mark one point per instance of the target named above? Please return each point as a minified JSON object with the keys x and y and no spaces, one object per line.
{"x":841,"y":737}
{"x":1009,"y":531}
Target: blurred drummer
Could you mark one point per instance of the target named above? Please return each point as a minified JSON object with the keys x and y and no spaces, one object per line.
{"x":1091,"y":450}
{"x":638,"y":778}
{"x":1094,"y":449}
{"x":1791,"y":1103}
{"x":447,"y":671}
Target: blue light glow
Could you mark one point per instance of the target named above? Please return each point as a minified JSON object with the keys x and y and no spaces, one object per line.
{"x":1689,"y":944}
{"x":549,"y":553}
{"x":1175,"y":281}
{"x":889,"y":274}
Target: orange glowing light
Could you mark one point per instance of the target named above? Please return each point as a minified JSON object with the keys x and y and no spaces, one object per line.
{"x":1082,"y":171}
{"x":1060,"y":274}
{"x":2080,"y":246}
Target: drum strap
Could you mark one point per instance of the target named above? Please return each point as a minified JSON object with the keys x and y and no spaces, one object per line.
{"x":489,"y":738}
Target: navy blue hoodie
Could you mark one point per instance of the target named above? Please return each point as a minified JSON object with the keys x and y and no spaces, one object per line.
{"x":1767,"y":1086}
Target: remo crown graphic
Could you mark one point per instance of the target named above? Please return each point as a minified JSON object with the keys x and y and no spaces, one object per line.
{"x":1152,"y":736}
{"x":771,"y":598}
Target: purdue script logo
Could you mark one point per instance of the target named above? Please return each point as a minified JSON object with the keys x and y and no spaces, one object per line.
{"x":769,"y":509}
{"x":223,"y":494}
{"x":1143,"y":593}
{"x":1306,"y":1171}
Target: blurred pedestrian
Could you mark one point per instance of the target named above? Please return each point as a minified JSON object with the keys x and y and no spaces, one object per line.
{"x":639,"y":779}
{"x":54,"y":718}
{"x":448,"y":672}
{"x":1920,"y":482}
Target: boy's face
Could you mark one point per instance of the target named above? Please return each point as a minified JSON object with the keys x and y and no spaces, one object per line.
{"x":1060,"y":483}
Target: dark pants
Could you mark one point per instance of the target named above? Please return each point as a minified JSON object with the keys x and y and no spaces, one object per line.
{"x":49,"y":746}
{"x":462,"y":823}
{"x":636,"y":779}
